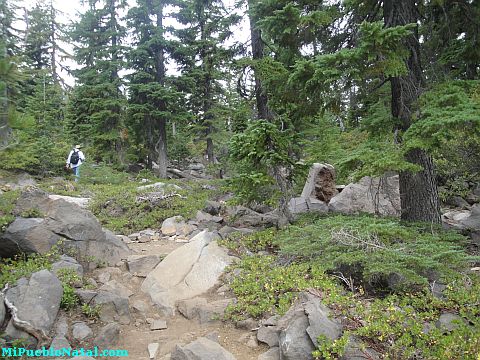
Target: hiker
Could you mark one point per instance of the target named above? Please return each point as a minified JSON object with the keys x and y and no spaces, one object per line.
{"x":74,"y":160}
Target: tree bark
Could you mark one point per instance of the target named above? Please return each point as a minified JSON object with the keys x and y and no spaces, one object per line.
{"x":258,"y":49}
{"x":418,"y":191}
{"x":161,"y":145}
{"x":4,"y":128}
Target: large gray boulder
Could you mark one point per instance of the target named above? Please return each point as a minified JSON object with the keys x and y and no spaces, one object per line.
{"x":300,"y":327}
{"x":201,"y":349}
{"x":3,"y":311}
{"x":243,"y":217}
{"x":370,"y":195}
{"x":37,"y":301}
{"x":188,"y":271}
{"x":60,"y":220}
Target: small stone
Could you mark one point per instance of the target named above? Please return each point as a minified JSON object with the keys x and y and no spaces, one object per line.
{"x":134,"y":236}
{"x":144,"y":239}
{"x":140,"y":306}
{"x":158,"y":325}
{"x":92,"y":282}
{"x":252,"y":342}
{"x":104,"y":277}
{"x":81,"y":331}
{"x":152,"y":350}
{"x":214,"y":336}
{"x":149,"y":320}
{"x":147,"y":232}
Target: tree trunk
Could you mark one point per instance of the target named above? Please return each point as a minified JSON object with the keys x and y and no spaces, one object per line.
{"x":261,"y":98}
{"x":161,"y":126}
{"x":418,"y":191}
{"x":4,"y":128}
{"x":279,"y":173}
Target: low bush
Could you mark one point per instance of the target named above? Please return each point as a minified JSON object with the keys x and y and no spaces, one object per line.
{"x":377,"y":253}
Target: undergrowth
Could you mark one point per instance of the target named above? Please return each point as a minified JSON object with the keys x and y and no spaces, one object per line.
{"x":401,"y":323}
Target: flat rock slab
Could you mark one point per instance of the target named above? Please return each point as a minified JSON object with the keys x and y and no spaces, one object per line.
{"x":188,"y":271}
{"x":201,"y":349}
{"x":158,"y":325}
{"x":141,"y":265}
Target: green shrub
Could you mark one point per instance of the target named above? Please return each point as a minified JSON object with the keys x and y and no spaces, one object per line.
{"x":374,"y":250}
{"x":23,"y":266}
{"x":8,"y":200}
{"x":117,"y":209}
{"x":92,"y":312}
{"x":69,"y":279}
{"x":262,"y":287}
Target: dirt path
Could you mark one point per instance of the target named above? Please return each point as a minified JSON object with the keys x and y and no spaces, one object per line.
{"x":136,"y":336}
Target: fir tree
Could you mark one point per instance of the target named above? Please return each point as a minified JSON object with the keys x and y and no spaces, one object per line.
{"x":97,"y":103}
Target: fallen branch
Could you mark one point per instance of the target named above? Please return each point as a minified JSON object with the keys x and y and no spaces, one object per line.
{"x":154,"y":198}
{"x":43,"y":339}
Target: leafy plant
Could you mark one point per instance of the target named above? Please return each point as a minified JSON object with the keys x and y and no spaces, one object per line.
{"x":69,"y":279}
{"x":92,"y":312}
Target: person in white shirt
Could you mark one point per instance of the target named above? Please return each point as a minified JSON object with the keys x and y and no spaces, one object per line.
{"x":74,"y":160}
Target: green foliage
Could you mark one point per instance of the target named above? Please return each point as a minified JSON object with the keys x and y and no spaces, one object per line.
{"x":8,"y":200}
{"x":374,"y":251}
{"x":262,"y":287}
{"x":261,"y":146}
{"x":69,"y":279}
{"x":92,"y":312}
{"x":117,"y":209}
{"x":258,"y":241}
{"x":24,"y":265}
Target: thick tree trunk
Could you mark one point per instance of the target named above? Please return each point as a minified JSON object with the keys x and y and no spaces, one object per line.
{"x":418,"y":191}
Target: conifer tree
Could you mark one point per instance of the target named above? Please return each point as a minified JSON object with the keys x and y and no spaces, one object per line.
{"x":97,"y":103}
{"x":204,"y":60}
{"x":153,"y":99}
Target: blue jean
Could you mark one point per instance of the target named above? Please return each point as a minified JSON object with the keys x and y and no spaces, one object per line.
{"x":76,"y":172}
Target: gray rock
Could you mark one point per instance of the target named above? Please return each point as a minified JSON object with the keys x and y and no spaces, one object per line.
{"x":298,"y":205}
{"x":61,"y":327}
{"x":247,"y":324}
{"x":214,"y":336}
{"x":189,"y":307}
{"x":268,"y":335}
{"x":77,"y":227}
{"x":141,"y":265}
{"x":112,"y":307}
{"x":319,"y":321}
{"x":60,"y":342}
{"x":186,"y":272}
{"x":370,"y":195}
{"x":140,"y":306}
{"x":38,"y":302}
{"x":355,"y":350}
{"x":272,"y":354}
{"x":27,"y":235}
{"x":201,"y":349}
{"x":213,"y":311}
{"x":196,"y":167}
{"x":458,"y":202}
{"x":67,"y":262}
{"x":152,"y":350}
{"x":81,"y":331}
{"x":448,"y":321}
{"x":79,"y":201}
{"x":205,"y":217}
{"x":158,"y":325}
{"x":115,"y":287}
{"x":212,"y":207}
{"x":473,"y":221}
{"x":293,"y":340}
{"x":104,"y":277}
{"x":2,"y":311}
{"x":85,"y":295}
{"x":107,"y":336}
{"x":144,"y":239}
{"x":170,"y":225}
